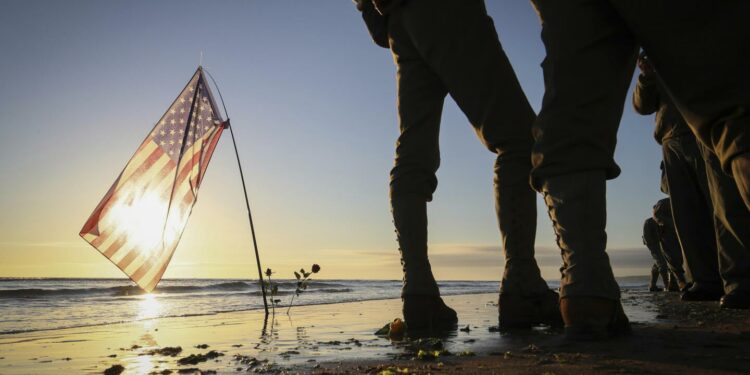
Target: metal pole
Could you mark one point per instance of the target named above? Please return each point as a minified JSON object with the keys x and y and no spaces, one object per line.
{"x":250,"y":218}
{"x":244,"y":189}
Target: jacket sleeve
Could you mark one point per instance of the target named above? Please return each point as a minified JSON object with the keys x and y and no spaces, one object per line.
{"x":377,"y":24}
{"x":646,"y":95}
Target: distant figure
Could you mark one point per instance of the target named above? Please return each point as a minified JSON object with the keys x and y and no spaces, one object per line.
{"x":669,"y":244}
{"x":651,"y":240}
{"x":697,"y":47}
{"x":450,"y":47}
{"x":687,"y":185}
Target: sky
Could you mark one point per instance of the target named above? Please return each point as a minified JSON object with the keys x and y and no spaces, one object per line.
{"x":313,"y":106}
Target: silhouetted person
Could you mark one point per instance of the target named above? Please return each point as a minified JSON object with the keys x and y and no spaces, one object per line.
{"x":698,"y":48}
{"x":651,"y":240}
{"x":685,"y":171}
{"x":669,"y":244}
{"x":451,"y":48}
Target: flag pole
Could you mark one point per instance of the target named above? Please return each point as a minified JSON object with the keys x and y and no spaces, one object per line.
{"x":247,"y":201}
{"x":250,"y":218}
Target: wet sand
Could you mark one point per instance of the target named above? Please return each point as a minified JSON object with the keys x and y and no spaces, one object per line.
{"x":669,"y":337}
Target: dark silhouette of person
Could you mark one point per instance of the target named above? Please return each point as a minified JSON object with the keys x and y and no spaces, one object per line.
{"x":669,"y":244}
{"x":697,"y":47}
{"x":659,"y":268}
{"x":687,"y":185}
{"x":451,"y":48}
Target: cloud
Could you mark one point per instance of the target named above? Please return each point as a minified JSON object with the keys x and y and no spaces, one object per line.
{"x":453,"y":255}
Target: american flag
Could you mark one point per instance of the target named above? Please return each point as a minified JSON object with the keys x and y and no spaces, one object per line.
{"x":140,"y":220}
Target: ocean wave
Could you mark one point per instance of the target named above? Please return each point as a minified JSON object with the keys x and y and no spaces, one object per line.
{"x":285,"y":287}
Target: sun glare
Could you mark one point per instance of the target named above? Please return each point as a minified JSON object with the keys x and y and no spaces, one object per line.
{"x":141,"y":216}
{"x":149,"y":307}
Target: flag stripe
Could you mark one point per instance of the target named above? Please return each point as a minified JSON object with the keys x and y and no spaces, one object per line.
{"x":210,"y":151}
{"x":145,"y":153}
{"x":122,"y":251}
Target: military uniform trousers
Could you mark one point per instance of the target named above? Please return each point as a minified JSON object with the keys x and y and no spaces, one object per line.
{"x":451,"y":48}
{"x":691,"y":209}
{"x":732,"y":225}
{"x":591,"y":50}
{"x":696,"y":47}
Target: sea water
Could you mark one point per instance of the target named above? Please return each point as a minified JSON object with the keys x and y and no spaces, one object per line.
{"x":52,"y":303}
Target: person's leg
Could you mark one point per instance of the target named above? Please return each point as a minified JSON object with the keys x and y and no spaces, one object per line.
{"x":420,"y":102}
{"x":697,"y":56}
{"x":654,"y":278}
{"x":589,"y":65}
{"x":662,"y":269}
{"x":670,"y":248}
{"x":459,"y":42}
{"x":732,"y":221}
{"x":692,"y":216}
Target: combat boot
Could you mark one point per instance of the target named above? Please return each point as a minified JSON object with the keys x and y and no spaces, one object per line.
{"x":735,"y":300}
{"x":654,"y":279}
{"x":673,"y":285}
{"x":523,"y":312}
{"x":428,"y":314}
{"x":590,"y":296}
{"x":591,"y":318}
{"x":525,"y":299}
{"x":423,"y":308}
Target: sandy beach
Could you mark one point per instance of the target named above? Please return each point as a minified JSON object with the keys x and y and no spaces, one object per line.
{"x":669,"y":337}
